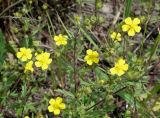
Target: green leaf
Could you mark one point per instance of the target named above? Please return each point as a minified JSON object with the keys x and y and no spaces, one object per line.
{"x":101,"y":74}
{"x":128,"y":98}
{"x":154,"y":91}
{"x":19,"y":111}
{"x":29,"y":106}
{"x":64,"y":92}
{"x":27,"y":42}
{"x":24,"y":90}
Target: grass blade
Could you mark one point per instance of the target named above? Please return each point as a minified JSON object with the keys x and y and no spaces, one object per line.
{"x":154,"y":49}
{"x":128,"y":4}
{"x":2,"y":48}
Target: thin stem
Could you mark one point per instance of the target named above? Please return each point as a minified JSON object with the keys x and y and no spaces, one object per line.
{"x":50,"y":22}
{"x":74,"y":64}
{"x":52,"y":66}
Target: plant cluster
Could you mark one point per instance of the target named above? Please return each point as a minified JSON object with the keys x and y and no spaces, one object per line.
{"x":61,"y":65}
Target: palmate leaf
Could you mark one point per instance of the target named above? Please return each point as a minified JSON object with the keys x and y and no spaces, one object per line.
{"x":2,"y":49}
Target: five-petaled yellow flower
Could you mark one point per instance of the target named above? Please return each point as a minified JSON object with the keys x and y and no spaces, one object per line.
{"x":24,"y":54}
{"x":116,"y":36}
{"x":119,"y":68}
{"x":56,"y":105}
{"x":91,"y":57}
{"x":60,"y":39}
{"x":43,"y":60}
{"x":29,"y":67}
{"x":131,"y":26}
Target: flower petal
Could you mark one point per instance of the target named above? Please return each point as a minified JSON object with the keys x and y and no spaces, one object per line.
{"x":49,"y":61}
{"x":131,"y":32}
{"x":38,"y":64}
{"x":118,"y":37}
{"x":89,"y":52}
{"x":29,"y":56}
{"x":62,"y":106}
{"x":89,"y":62}
{"x":125,"y":28}
{"x":22,"y":49}
{"x":56,"y":111}
{"x":120,"y":73}
{"x":96,"y":60}
{"x":137,"y":29}
{"x":19,"y":54}
{"x":95,"y":54}
{"x":50,"y":108}
{"x":52,"y":101}
{"x":44,"y":66}
{"x":58,"y":43}
{"x":128,"y":21}
{"x":125,"y":67}
{"x":59,"y":100}
{"x":121,"y":61}
{"x":136,"y":21}
{"x":64,"y":42}
{"x":113,"y":35}
{"x":113,"y":71}
{"x":56,"y":38}
{"x":24,"y":58}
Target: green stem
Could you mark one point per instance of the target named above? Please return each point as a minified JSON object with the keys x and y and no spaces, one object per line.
{"x":154,"y":49}
{"x":50,"y":23}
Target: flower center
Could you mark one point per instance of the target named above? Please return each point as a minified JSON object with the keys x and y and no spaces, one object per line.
{"x":132,"y":26}
{"x":91,"y":57}
{"x":42,"y":61}
{"x":56,"y":105}
{"x":24,"y":54}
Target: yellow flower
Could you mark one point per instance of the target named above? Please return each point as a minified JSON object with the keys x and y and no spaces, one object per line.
{"x":91,"y":57}
{"x":26,"y":117}
{"x":60,"y":39}
{"x":119,"y":68}
{"x":43,"y":60}
{"x":116,"y":36}
{"x":131,"y":26}
{"x":29,"y":67}
{"x":56,"y":105}
{"x":24,"y":54}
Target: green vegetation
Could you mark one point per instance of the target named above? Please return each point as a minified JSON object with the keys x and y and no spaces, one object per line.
{"x":79,"y":59}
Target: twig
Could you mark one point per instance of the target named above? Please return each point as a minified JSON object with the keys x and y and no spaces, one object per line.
{"x":117,"y":16}
{"x":74,"y":66}
{"x":13,"y":17}
{"x":14,"y":4}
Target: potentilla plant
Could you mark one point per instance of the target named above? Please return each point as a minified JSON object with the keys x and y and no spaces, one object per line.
{"x":78,"y":69}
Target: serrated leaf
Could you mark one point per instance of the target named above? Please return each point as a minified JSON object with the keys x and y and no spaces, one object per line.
{"x":65,"y":93}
